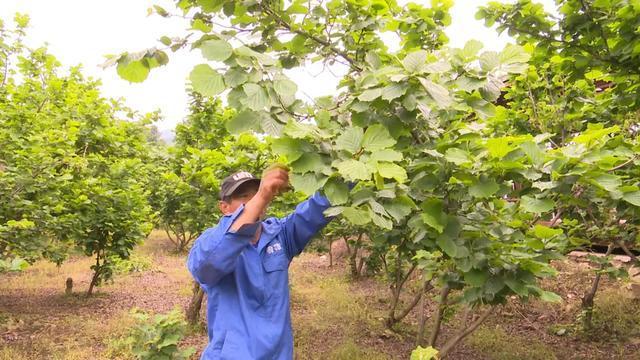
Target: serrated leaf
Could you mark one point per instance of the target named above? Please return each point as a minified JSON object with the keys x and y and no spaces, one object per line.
{"x":420,"y":353}
{"x":235,"y":77}
{"x":513,"y":54}
{"x":132,"y":71}
{"x":437,"y":92}
{"x":457,"y":156}
{"x":437,"y":67}
{"x":334,"y":211}
{"x":216,"y":50}
{"x":533,"y":152}
{"x":292,"y":149}
{"x":356,"y":216}
{"x":392,"y":171}
{"x":414,"y":62}
{"x":484,"y":189}
{"x":433,"y":215}
{"x":632,"y":198}
{"x":285,"y":88}
{"x":353,"y":170}
{"x":206,"y":80}
{"x":350,"y":140}
{"x":400,"y":207}
{"x":381,"y":221}
{"x":608,"y":182}
{"x":271,"y":126}
{"x":489,"y":60}
{"x":377,"y":137}
{"x":393,"y":91}
{"x":370,"y":94}
{"x":447,"y":245}
{"x":386,"y":155}
{"x":545,"y":232}
{"x":308,"y":162}
{"x":244,"y":121}
{"x":476,"y":277}
{"x":308,"y":183}
{"x":533,"y":205}
{"x":472,"y":47}
{"x":257,"y":98}
{"x":299,"y":130}
{"x":336,"y":191}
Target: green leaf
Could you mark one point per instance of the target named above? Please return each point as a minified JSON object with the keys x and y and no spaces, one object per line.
{"x":285,"y":88}
{"x":244,"y":121}
{"x":206,"y":80}
{"x":533,"y":152}
{"x":257,"y":98}
{"x":549,"y":296}
{"x":370,"y":94}
{"x":433,"y":215}
{"x":393,"y":91}
{"x":476,"y":277}
{"x":386,"y":155}
{"x":216,"y":50}
{"x":457,"y":156}
{"x":308,"y":162}
{"x":392,"y":171}
{"x":414,"y":62}
{"x":377,"y":137}
{"x":357,"y":216}
{"x":489,"y":60}
{"x":381,"y":221}
{"x":632,"y":198}
{"x":235,"y":77}
{"x":336,"y":191}
{"x":292,"y":149}
{"x":308,"y":183}
{"x":484,"y":188}
{"x":437,"y":92}
{"x":400,"y":207}
{"x":420,"y":353}
{"x":545,"y":232}
{"x":447,"y":245}
{"x":608,"y":182}
{"x":350,"y":140}
{"x":354,"y":170}
{"x":533,"y":205}
{"x":472,"y":47}
{"x":513,"y":54}
{"x":133,"y":71}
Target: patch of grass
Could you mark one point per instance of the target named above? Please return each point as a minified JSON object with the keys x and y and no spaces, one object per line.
{"x":352,"y":351}
{"x":498,"y":345}
{"x":616,"y":317}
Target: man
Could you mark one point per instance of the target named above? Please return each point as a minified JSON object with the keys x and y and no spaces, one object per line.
{"x":242,"y":264}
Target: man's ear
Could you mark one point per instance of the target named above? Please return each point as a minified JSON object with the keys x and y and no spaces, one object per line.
{"x":224,"y":207}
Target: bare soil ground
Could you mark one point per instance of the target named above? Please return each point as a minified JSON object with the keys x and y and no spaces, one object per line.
{"x":333,"y":316}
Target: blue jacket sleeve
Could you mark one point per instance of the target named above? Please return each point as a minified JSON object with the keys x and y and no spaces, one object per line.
{"x":305,"y":222}
{"x":215,"y":253}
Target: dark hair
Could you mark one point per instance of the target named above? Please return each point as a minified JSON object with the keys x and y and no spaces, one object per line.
{"x":239,"y":191}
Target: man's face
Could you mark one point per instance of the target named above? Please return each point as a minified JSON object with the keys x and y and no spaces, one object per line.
{"x":242,"y":195}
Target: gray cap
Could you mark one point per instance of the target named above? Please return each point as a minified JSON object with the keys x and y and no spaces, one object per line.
{"x":232,"y":182}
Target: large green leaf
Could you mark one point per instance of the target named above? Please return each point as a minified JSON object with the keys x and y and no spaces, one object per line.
{"x":533,"y":205}
{"x":428,"y":353}
{"x":308,"y":162}
{"x":386,"y":155}
{"x":414,"y":62}
{"x":357,"y":216}
{"x":434,"y":215}
{"x":513,"y":54}
{"x":133,"y":71}
{"x":350,"y":140}
{"x":484,"y":188}
{"x":257,"y":98}
{"x":244,"y":121}
{"x":377,"y":137}
{"x":438,"y":93}
{"x":393,"y":91}
{"x":216,"y":50}
{"x":370,"y":94}
{"x":292,"y":149}
{"x":235,"y":77}
{"x":286,"y":89}
{"x":206,"y":80}
{"x":308,"y":183}
{"x":336,"y":191}
{"x":392,"y":171}
{"x":632,"y":198}
{"x":457,"y":156}
{"x":353,"y":170}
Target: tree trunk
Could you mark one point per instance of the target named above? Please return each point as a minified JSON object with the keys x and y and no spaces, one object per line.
{"x":436,"y":326}
{"x":446,"y":349}
{"x":96,"y":275}
{"x":587,"y":299}
{"x":330,"y":254}
{"x":193,"y":311}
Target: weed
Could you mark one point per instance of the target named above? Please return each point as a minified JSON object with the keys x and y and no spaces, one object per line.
{"x":499,"y":345}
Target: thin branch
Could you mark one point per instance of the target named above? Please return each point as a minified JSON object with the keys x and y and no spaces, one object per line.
{"x":461,"y":335}
{"x":437,"y":324}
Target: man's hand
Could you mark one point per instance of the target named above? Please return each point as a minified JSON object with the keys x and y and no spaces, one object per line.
{"x":275,"y":181}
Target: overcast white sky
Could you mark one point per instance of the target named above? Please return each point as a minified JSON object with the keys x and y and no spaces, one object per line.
{"x":83,"y":31}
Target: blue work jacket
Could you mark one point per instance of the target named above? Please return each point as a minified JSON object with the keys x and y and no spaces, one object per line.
{"x":247,"y":286}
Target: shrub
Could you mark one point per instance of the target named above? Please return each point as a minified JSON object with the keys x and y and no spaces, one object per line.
{"x":153,"y":338}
